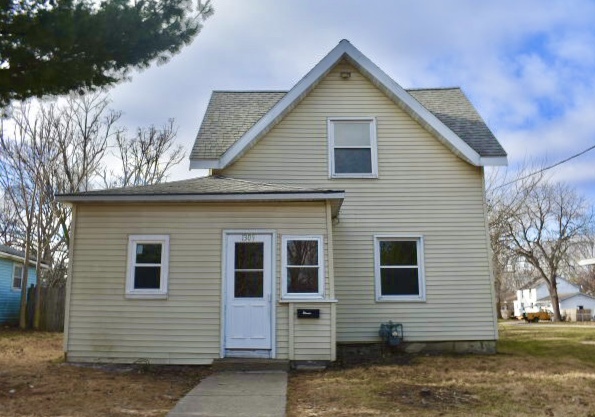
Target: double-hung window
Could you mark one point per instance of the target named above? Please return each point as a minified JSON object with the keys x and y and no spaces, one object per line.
{"x":352,"y":148}
{"x":399,"y":269}
{"x":148,"y":264}
{"x":303,"y":275}
{"x":17,"y":277}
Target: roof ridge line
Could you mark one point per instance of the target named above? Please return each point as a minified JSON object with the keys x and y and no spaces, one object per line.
{"x":434,"y":88}
{"x":250,"y":91}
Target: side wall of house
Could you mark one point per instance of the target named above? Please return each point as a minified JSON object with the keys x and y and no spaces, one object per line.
{"x":579,"y":300}
{"x":422,"y":188}
{"x":185,"y":328}
{"x":10,"y":299}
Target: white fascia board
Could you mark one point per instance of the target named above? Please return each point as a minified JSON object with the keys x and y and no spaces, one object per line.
{"x":494,"y":161}
{"x":414,"y":107}
{"x":285,"y":104}
{"x":206,"y":198}
{"x":32,"y":262}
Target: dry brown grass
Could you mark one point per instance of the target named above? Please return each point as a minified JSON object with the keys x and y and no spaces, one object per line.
{"x":35,"y":382}
{"x":538,"y":372}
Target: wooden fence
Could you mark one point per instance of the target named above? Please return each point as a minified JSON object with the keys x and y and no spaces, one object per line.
{"x":576,"y":314}
{"x":52,"y":308}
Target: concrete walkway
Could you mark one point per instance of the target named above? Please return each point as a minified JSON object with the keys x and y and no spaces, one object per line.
{"x":238,"y":394}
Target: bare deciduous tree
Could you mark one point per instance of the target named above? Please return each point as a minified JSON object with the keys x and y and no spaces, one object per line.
{"x":550,"y":221}
{"x":505,"y":197}
{"x":19,"y":186}
{"x":62,"y":148}
{"x":145,"y":158}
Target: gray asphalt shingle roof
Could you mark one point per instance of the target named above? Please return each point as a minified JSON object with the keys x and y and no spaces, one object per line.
{"x":213,"y":185}
{"x":230,"y":114}
{"x":453,"y":108}
{"x":7,"y":250}
{"x":11,"y":251}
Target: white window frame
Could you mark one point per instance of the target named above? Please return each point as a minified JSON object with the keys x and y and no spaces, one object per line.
{"x":331,"y":147}
{"x":421,"y":276}
{"x":302,"y":296}
{"x":161,"y":292}
{"x":14,"y":267}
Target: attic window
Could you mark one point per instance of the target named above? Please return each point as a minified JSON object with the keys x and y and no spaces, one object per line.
{"x":352,"y":148}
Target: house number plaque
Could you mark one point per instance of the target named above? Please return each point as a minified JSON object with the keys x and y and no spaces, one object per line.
{"x":248,"y":237}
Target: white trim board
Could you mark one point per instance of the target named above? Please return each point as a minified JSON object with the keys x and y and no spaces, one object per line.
{"x":207,"y":198}
{"x":378,"y":77}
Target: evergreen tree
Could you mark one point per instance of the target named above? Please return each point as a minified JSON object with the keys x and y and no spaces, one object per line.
{"x":57,"y":46}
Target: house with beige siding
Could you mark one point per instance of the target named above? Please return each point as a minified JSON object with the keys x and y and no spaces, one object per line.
{"x":330,"y":208}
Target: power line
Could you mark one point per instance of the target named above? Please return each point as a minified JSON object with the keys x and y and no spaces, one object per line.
{"x":539,"y":171}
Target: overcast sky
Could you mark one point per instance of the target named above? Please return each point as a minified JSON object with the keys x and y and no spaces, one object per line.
{"x":528,"y":66}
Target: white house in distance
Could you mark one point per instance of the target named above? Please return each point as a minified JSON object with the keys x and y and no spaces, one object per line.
{"x":536,"y":297}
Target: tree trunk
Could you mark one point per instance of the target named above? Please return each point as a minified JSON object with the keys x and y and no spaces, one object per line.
{"x":25,"y":280}
{"x":37,"y":307}
{"x":555,"y":301}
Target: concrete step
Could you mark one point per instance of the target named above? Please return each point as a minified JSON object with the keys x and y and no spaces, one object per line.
{"x":249,"y":365}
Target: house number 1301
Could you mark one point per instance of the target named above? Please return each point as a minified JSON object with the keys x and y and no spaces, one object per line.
{"x":248,"y":237}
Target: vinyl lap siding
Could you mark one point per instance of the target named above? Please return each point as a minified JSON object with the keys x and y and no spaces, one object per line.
{"x":312,"y":339}
{"x":423,"y":188}
{"x":10,"y":299}
{"x":185,"y":328}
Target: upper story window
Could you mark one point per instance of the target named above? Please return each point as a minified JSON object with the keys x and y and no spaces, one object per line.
{"x":352,"y":147}
{"x":148,"y":265}
{"x":17,"y":277}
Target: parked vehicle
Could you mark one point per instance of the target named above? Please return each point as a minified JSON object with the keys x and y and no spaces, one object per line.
{"x":535,"y":316}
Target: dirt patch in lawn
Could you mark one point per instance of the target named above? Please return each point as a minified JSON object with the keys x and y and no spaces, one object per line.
{"x":34,"y":381}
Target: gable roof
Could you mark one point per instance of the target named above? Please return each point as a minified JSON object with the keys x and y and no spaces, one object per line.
{"x":223,"y":138}
{"x":7,"y":252}
{"x":209,"y":189}
{"x":539,"y":282}
{"x":564,"y":297}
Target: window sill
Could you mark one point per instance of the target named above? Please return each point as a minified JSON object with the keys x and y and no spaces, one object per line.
{"x":307,"y":300}
{"x":400,"y":300}
{"x":353,"y":176}
{"x":146,"y":296}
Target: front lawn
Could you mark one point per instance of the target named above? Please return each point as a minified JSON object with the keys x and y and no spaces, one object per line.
{"x":34,"y":381}
{"x":540,"y":370}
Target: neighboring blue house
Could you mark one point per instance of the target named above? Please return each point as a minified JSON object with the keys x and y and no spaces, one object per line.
{"x":11,"y":282}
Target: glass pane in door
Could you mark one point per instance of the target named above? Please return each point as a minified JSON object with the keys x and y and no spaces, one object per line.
{"x":249,"y":270}
{"x":248,"y":284}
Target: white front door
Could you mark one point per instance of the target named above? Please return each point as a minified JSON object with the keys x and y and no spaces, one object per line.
{"x":248,"y":298}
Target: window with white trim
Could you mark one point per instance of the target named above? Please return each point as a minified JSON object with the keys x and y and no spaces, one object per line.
{"x":303,"y":259}
{"x":399,"y":271}
{"x":352,"y":147}
{"x":148,"y":266}
{"x":17,"y":277}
